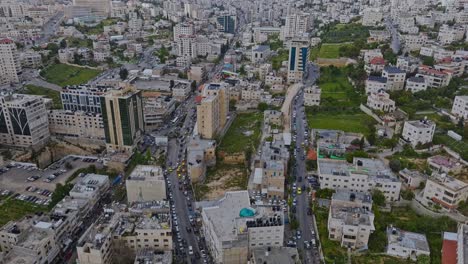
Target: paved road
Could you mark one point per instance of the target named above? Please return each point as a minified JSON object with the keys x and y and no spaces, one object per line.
{"x":42,"y":83}
{"x":395,"y":45}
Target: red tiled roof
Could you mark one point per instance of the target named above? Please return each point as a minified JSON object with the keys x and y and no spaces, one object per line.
{"x":198,"y":99}
{"x":312,"y":155}
{"x":377,"y":60}
{"x":6,"y":41}
{"x":444,"y":204}
{"x":449,"y":252}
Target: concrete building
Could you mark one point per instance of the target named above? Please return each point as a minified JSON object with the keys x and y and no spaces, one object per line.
{"x":449,"y":34}
{"x":372,"y":17}
{"x":90,"y":187}
{"x":312,"y":95}
{"x":296,"y":25}
{"x":350,"y":219}
{"x":362,"y":176}
{"x":79,"y":125}
{"x":416,"y":84}
{"x":434,"y":78}
{"x":197,"y":73}
{"x":412,"y":178}
{"x":94,"y":7}
{"x":414,"y":42}
{"x":10,"y":64}
{"x":146,"y":183}
{"x":260,"y":53}
{"x":272,"y":80}
{"x":408,"y":64}
{"x":30,"y":59}
{"x":23,"y":121}
{"x":213,"y":110}
{"x":231,"y":226}
{"x":227,"y":23}
{"x":156,"y":109}
{"x":201,"y":153}
{"x":298,"y":58}
{"x":443,"y":190}
{"x":381,"y":101}
{"x":460,"y":107}
{"x":122,"y":113}
{"x":275,"y":255}
{"x":84,"y":98}
{"x":375,"y":83}
{"x":404,"y":244}
{"x":181,"y":91}
{"x":418,"y":132}
{"x":183,"y":29}
{"x":395,"y":78}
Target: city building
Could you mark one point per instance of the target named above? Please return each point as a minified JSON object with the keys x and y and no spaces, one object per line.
{"x":156,"y":109}
{"x":375,"y":83}
{"x":460,"y":107}
{"x":433,"y":77}
{"x":350,"y":219}
{"x":78,"y":124}
{"x":296,"y":25}
{"x":444,"y":164}
{"x":416,"y":84}
{"x":412,"y":178}
{"x":91,"y":187}
{"x":146,"y":183}
{"x":10,"y":64}
{"x":232,"y":226}
{"x":84,"y":98}
{"x":260,"y":53}
{"x":23,"y":121}
{"x":395,"y":78}
{"x":181,"y":91}
{"x":418,"y":132}
{"x":227,"y":23}
{"x":449,"y":34}
{"x":212,"y":111}
{"x":362,"y":176}
{"x":381,"y":101}
{"x":408,"y":64}
{"x":404,"y":244}
{"x":372,"y":17}
{"x":122,"y":113}
{"x":183,"y":29}
{"x":201,"y":153}
{"x":444,"y":191}
{"x":298,"y":57}
{"x":100,"y":8}
{"x":275,"y":255}
{"x":312,"y":95}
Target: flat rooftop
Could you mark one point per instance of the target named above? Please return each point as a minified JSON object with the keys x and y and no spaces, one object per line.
{"x":352,"y":215}
{"x":275,"y":255}
{"x":407,"y":239}
{"x":90,"y":183}
{"x":146,"y":173}
{"x":421,"y":123}
{"x":352,"y":196}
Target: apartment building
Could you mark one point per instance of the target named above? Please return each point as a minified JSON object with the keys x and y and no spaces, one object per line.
{"x":416,"y":84}
{"x":418,"y":132}
{"x":183,"y":29}
{"x":381,"y":101}
{"x":90,"y":187}
{"x":30,"y":59}
{"x":122,"y":113}
{"x":414,"y":42}
{"x":406,"y":245}
{"x":181,"y":91}
{"x":453,"y":65}
{"x":444,"y":164}
{"x":201,"y":153}
{"x":10,"y":64}
{"x":350,"y":219}
{"x":395,"y":78}
{"x":273,"y":117}
{"x":361,"y":176}
{"x":372,"y":17}
{"x":283,"y":255}
{"x":226,"y":23}
{"x":156,"y":109}
{"x":296,"y":25}
{"x":187,"y":46}
{"x":434,"y":78}
{"x":412,"y":178}
{"x":460,"y":106}
{"x":79,"y":125}
{"x":232,"y":226}
{"x":197,"y":73}
{"x":272,"y":80}
{"x":407,"y":64}
{"x":146,"y":183}
{"x":213,"y":110}
{"x":298,"y":57}
{"x":449,"y":34}
{"x":443,"y":190}
{"x":23,"y":121}
{"x":84,"y":98}
{"x":376,"y":64}
{"x":375,"y":83}
{"x":312,"y":95}
{"x":368,"y":54}
{"x":94,"y":7}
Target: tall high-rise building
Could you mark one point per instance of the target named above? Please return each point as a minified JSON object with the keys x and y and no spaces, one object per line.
{"x":122,"y":113}
{"x":212,"y":111}
{"x":10,"y":64}
{"x":23,"y":121}
{"x":187,"y":46}
{"x":96,"y":7}
{"x":84,"y":98}
{"x":183,"y":29}
{"x":295,"y":25}
{"x":227,"y":23}
{"x":297,"y":64}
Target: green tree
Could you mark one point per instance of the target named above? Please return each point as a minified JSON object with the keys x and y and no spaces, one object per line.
{"x":395,"y":165}
{"x":242,"y":70}
{"x":378,"y":197}
{"x":262,"y":106}
{"x":63,"y":44}
{"x":461,"y":123}
{"x":123,"y":73}
{"x":423,"y":259}
{"x":429,"y":61}
{"x":53,"y":48}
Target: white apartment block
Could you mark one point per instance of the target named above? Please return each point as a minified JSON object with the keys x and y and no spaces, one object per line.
{"x":444,"y":190}
{"x":23,"y":121}
{"x":448,"y":34}
{"x":372,"y":17}
{"x":183,"y":29}
{"x":251,"y":93}
{"x":460,"y":107}
{"x":312,"y":95}
{"x":368,"y":55}
{"x":412,"y":178}
{"x":434,"y":78}
{"x":187,"y":46}
{"x":260,"y":53}
{"x":418,"y":132}
{"x":68,"y":124}
{"x":395,"y":78}
{"x":416,"y":84}
{"x":350,"y":219}
{"x":271,"y":80}
{"x":90,"y":187}
{"x":181,"y":90}
{"x":363,"y":175}
{"x":414,"y":42}
{"x":30,"y":59}
{"x":10,"y":64}
{"x":374,"y":84}
{"x":212,"y":111}
{"x":295,"y":25}
{"x":407,"y":64}
{"x":404,"y":244}
{"x":381,"y":101}
{"x":146,"y":183}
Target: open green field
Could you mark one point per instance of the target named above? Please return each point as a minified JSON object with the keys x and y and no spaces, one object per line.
{"x":329,"y":51}
{"x":460,"y":147}
{"x":244,"y":133}
{"x":356,"y":122}
{"x":49,"y":93}
{"x":336,"y":88}
{"x":12,"y":209}
{"x":345,"y":32}
{"x":64,"y":74}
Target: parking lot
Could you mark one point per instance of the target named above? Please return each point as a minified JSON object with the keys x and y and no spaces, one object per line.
{"x":35,"y":185}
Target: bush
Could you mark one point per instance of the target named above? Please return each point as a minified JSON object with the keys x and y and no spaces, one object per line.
{"x":378,"y":197}
{"x":407,"y":195}
{"x":395,"y":165}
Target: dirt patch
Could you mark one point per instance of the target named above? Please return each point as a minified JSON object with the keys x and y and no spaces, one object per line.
{"x":223,"y":180}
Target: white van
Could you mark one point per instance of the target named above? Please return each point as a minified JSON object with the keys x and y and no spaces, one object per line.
{"x":190,"y":250}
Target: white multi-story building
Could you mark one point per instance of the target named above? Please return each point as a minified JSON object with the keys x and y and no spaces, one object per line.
{"x":24,"y":121}
{"x":312,"y":95}
{"x":30,"y":59}
{"x":407,"y":64}
{"x":260,"y":53}
{"x":375,"y":83}
{"x":372,"y":17}
{"x":363,"y":175}
{"x":434,"y":78}
{"x":350,"y":219}
{"x":414,"y":42}
{"x":416,"y":84}
{"x":10,"y":64}
{"x":298,"y":57}
{"x":418,"y":132}
{"x":295,"y":25}
{"x":381,"y":101}
{"x":183,"y":29}
{"x":64,"y":123}
{"x":404,"y":244}
{"x":460,"y":107}
{"x":448,"y":34}
{"x":90,"y":187}
{"x":443,"y":190}
{"x":187,"y":46}
{"x":146,"y":183}
{"x":271,"y":80}
{"x":395,"y":78}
